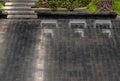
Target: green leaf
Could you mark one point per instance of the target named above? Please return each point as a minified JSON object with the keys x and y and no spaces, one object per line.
{"x":1,"y":5}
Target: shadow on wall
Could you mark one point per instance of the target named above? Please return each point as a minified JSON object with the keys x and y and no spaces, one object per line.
{"x":3,"y":15}
{"x":75,"y":15}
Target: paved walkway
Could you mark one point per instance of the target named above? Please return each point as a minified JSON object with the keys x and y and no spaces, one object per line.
{"x":20,"y":9}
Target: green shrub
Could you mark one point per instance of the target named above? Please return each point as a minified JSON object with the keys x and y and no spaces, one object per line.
{"x":64,"y":3}
{"x":116,"y":6}
{"x":53,"y":5}
{"x":83,"y":3}
{"x":72,"y":4}
{"x":1,"y":5}
{"x":91,"y":7}
{"x":38,"y":4}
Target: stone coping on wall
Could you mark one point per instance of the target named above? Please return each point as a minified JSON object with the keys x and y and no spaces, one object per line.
{"x":118,"y":17}
{"x":60,"y":9}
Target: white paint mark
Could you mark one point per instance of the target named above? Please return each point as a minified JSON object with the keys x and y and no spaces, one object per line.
{"x":48,"y":30}
{"x":78,"y":30}
{"x":105,"y":31}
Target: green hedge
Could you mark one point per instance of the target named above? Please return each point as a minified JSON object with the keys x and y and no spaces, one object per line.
{"x":64,"y":3}
{"x":54,"y":4}
{"x":115,"y":6}
{"x":91,"y":7}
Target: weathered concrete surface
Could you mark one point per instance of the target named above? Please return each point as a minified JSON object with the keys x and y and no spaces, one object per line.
{"x":64,"y":57}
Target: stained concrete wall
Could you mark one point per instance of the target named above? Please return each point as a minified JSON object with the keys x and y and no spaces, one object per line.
{"x":67,"y":56}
